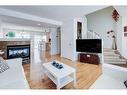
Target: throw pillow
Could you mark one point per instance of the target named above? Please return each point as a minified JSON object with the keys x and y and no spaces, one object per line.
{"x":3,"y":65}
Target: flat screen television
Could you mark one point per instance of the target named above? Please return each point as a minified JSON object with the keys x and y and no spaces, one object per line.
{"x":89,"y":45}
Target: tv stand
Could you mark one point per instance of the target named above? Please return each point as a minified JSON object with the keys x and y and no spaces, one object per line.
{"x":89,"y":58}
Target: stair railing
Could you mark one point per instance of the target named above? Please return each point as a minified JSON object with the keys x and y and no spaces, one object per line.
{"x":92,"y":35}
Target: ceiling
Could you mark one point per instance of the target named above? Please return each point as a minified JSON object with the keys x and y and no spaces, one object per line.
{"x":25,"y":22}
{"x":59,"y":13}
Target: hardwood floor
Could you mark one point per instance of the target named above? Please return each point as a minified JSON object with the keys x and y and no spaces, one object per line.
{"x":86,"y":74}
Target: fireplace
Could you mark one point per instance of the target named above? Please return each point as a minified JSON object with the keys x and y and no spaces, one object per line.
{"x":18,"y":51}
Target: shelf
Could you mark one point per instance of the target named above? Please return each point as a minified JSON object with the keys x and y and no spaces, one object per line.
{"x":64,"y":81}
{"x":51,"y":77}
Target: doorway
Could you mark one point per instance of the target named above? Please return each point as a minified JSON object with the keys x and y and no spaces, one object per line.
{"x":48,"y":45}
{"x":59,"y":40}
{"x":55,"y":35}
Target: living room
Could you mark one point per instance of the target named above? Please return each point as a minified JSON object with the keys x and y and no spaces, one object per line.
{"x":28,"y":34}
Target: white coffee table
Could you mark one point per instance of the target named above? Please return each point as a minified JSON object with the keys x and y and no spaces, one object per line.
{"x":60,"y":77}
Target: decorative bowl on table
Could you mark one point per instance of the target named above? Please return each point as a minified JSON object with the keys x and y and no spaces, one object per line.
{"x":60,"y":66}
{"x":57,"y":65}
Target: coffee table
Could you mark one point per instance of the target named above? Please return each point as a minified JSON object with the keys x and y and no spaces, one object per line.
{"x":60,"y":77}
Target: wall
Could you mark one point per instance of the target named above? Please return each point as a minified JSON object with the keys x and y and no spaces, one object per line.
{"x":124,"y":39}
{"x":69,"y":36}
{"x":100,"y":22}
{"x":119,"y":34}
{"x":67,"y":39}
{"x":84,"y":27}
{"x":121,"y":40}
{"x":0,"y":28}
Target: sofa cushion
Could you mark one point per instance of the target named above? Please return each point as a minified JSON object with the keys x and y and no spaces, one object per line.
{"x":14,"y":78}
{"x":3,"y":65}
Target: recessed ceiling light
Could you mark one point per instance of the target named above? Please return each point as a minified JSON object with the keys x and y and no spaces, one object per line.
{"x":39,"y":24}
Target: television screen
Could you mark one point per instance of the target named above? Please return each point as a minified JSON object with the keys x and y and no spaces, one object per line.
{"x":89,"y":45}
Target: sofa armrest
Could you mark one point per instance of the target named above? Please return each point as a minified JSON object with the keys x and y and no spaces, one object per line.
{"x":14,"y":62}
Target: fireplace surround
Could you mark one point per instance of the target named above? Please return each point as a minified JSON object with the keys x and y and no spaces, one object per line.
{"x":5,"y":43}
{"x":18,"y":51}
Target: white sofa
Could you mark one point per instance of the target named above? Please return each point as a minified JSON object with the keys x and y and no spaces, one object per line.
{"x":113,"y":77}
{"x":14,"y":78}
